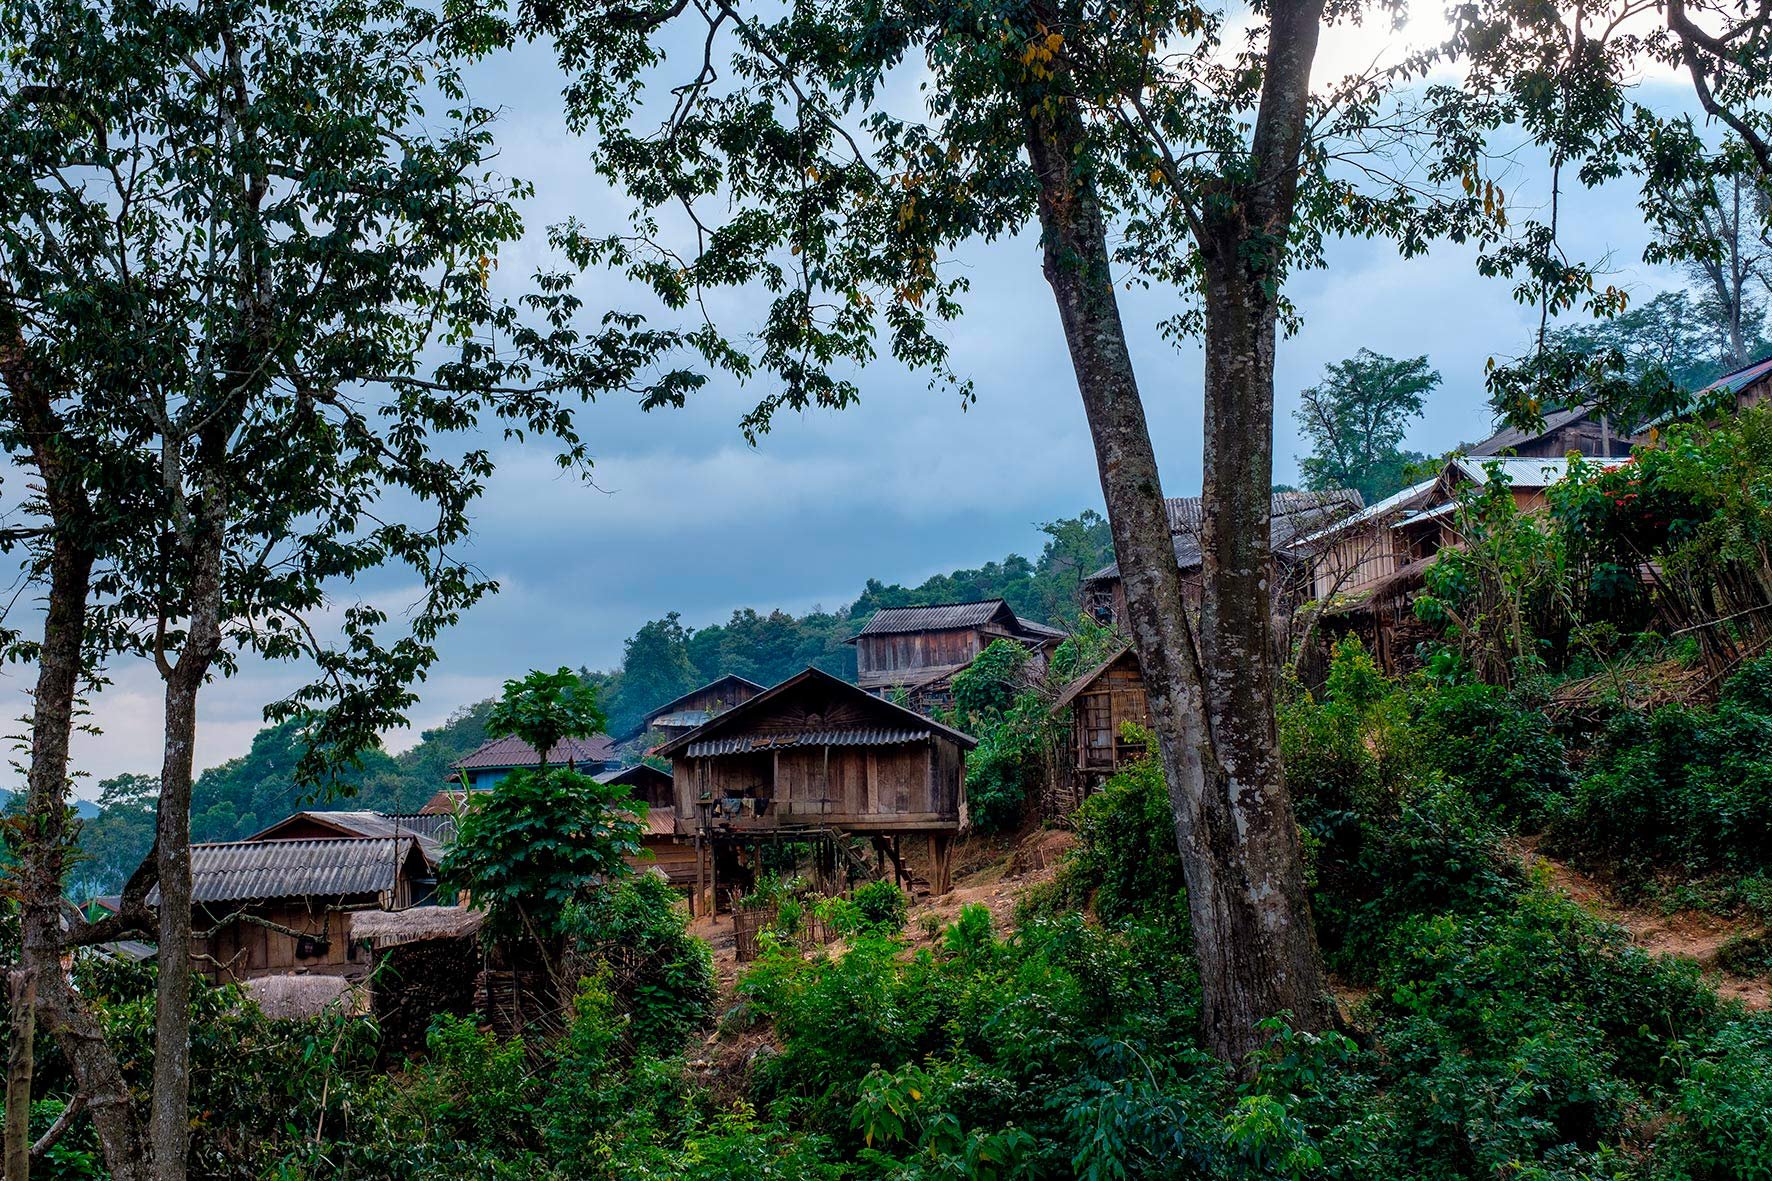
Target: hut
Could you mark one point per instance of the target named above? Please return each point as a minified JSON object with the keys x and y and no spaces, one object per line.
{"x":1295,"y":516}
{"x":1583,"y":429}
{"x":423,"y":961}
{"x":664,"y":850}
{"x":915,"y":651}
{"x":682,"y":714}
{"x":276,"y":907}
{"x":1100,"y":703}
{"x":816,"y":755}
{"x":432,"y":829}
{"x":493,"y":760}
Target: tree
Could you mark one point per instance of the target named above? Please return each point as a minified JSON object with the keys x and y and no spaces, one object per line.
{"x":116,"y":840}
{"x":1355,"y":419}
{"x":1723,"y":241}
{"x":1221,"y":170}
{"x":248,"y":331}
{"x":529,"y":849}
{"x":655,"y":669}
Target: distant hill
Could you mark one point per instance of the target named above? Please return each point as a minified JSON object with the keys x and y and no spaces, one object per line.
{"x":84,"y":809}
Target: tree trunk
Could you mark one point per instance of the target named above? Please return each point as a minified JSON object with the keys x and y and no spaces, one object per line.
{"x":47,"y":840}
{"x":170,"y":1122}
{"x":1212,"y":706}
{"x":21,"y":999}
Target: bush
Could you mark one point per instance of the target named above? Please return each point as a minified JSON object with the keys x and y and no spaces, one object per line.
{"x":881,"y":906}
{"x":1501,"y":749}
{"x":1682,"y":786}
{"x":1725,"y":1109}
{"x":661,"y":978}
{"x":1125,"y":863}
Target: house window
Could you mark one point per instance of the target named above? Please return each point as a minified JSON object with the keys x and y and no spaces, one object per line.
{"x":1098,"y":730}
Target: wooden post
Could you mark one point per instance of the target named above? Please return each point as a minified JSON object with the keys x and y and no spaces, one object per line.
{"x":942,"y":849}
{"x":21,"y":995}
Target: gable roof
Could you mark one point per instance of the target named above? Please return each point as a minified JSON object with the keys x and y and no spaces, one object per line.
{"x":1089,"y":678}
{"x":635,"y":775}
{"x":732,"y":680}
{"x":250,"y":871}
{"x":1511,"y":437}
{"x":1520,"y":473}
{"x":512,"y":752}
{"x":428,"y":828}
{"x":1738,"y":380}
{"x":896,"y":621}
{"x":898,"y":723}
{"x":1292,"y":516}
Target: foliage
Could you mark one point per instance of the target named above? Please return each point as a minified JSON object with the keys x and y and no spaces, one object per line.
{"x":1682,"y":785}
{"x":531,"y":848}
{"x":1355,"y":419}
{"x":115,"y":841}
{"x":882,"y":908}
{"x":660,"y":976}
{"x":1725,"y":1109}
{"x":1125,"y":864}
{"x":1501,"y":595}
{"x":986,"y":689}
{"x":543,"y":708}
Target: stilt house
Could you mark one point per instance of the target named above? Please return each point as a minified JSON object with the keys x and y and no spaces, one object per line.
{"x":917,"y":650}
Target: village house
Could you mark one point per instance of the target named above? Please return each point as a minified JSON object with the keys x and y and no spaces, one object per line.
{"x":682,"y":714}
{"x":495,"y":759}
{"x":915,"y":651}
{"x":811,"y":756}
{"x":1294,"y":515}
{"x":663,"y":852}
{"x":284,"y":906}
{"x":433,"y":830}
{"x":1584,"y":429}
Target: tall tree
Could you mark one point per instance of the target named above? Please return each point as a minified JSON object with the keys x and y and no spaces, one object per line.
{"x":1202,"y":142}
{"x":1355,"y":419}
{"x":248,"y":334}
{"x":1726,"y":244}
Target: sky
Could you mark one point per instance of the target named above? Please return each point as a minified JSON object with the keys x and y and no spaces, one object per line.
{"x":686,"y":517}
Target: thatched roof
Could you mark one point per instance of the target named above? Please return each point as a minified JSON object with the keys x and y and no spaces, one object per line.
{"x":390,"y":928}
{"x":294,"y":998}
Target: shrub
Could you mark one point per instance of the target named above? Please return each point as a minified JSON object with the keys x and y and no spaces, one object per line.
{"x":1725,"y":1109}
{"x":1501,"y":749}
{"x":661,"y":977}
{"x":881,"y":906}
{"x":1125,"y":862}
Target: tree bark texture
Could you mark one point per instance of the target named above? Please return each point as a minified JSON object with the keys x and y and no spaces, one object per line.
{"x":21,"y":1000}
{"x":1212,"y":705}
{"x":48,"y":839}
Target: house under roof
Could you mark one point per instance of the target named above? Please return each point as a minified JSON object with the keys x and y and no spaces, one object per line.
{"x":698,"y":705}
{"x":893,"y":621}
{"x":336,"y":868}
{"x":510,"y":753}
{"x":1294,"y":516}
{"x":315,"y":824}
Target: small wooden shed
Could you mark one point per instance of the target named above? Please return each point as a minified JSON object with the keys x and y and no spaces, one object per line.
{"x":816,"y":754}
{"x":271,"y":907}
{"x":1101,"y":702}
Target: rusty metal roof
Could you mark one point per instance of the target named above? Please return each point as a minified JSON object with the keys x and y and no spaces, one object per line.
{"x":243,"y":871}
{"x":512,"y":752}
{"x":1292,"y":515}
{"x":747,"y":743}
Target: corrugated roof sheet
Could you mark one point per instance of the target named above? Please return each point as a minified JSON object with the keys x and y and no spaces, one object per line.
{"x":682,"y":719}
{"x":1294,"y":515}
{"x":890,"y":621}
{"x":242,"y":871}
{"x":1520,"y":473}
{"x":742,"y":685}
{"x":1739,"y":380}
{"x":370,"y":824}
{"x":746,"y":743}
{"x":514,"y":752}
{"x":1509,"y":438}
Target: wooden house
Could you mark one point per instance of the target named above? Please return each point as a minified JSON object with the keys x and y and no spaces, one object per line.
{"x":664,"y":850}
{"x":1295,"y":515}
{"x":1583,"y":430}
{"x":815,"y":755}
{"x":1100,"y":703}
{"x":433,"y":830}
{"x":682,"y":714}
{"x":493,"y":760}
{"x":283,"y":906}
{"x":915,"y":651}
{"x":1369,"y":568}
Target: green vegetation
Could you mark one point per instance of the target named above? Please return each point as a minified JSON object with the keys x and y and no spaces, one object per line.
{"x":1355,"y":419}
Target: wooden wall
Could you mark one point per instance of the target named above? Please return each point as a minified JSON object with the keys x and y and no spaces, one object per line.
{"x":877,"y":657}
{"x":242,"y":950}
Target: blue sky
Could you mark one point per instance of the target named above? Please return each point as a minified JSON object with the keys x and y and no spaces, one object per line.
{"x":686,"y":517}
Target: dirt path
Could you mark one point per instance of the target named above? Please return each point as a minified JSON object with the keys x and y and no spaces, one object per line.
{"x":1692,"y":935}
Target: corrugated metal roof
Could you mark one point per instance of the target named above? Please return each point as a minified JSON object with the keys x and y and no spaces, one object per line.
{"x":747,"y":743}
{"x":890,"y":621}
{"x":1294,"y":515}
{"x":682,"y":719}
{"x":1520,"y":473}
{"x":1739,"y":380}
{"x":514,"y":752}
{"x":241,"y":871}
{"x":743,"y":685}
{"x":836,"y":688}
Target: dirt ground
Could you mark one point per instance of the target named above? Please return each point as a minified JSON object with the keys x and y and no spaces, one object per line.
{"x":1693,"y":935}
